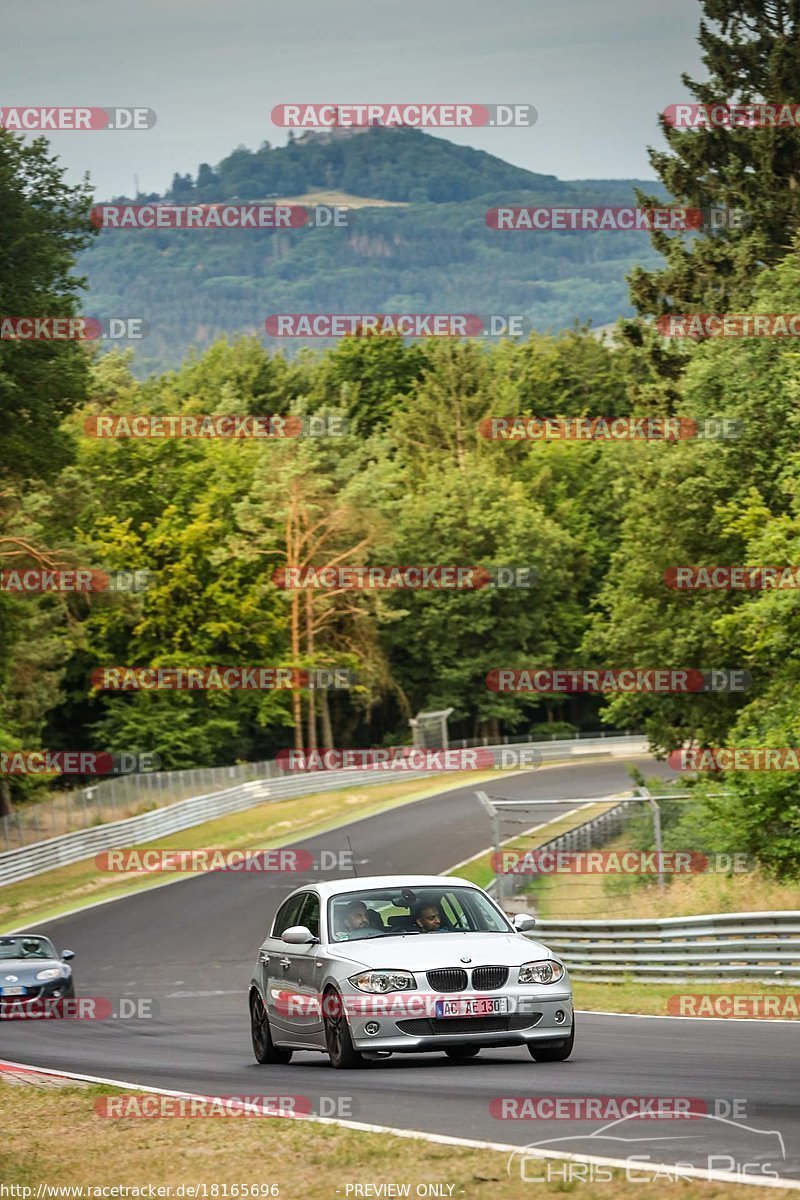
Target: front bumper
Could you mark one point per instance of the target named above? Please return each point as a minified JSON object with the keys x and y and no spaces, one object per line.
{"x":36,"y":998}
{"x":531,"y":1018}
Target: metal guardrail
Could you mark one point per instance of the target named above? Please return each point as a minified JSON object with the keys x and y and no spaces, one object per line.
{"x":161,"y":822}
{"x":762,"y":946}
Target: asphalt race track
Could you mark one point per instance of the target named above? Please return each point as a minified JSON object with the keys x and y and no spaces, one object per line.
{"x":191,"y":947}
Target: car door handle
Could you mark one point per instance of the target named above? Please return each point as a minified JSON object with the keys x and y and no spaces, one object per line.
{"x":263,"y":957}
{"x":286,"y":963}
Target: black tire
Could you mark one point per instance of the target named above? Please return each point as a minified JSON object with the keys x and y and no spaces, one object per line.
{"x":264,"y":1049}
{"x":458,"y":1052}
{"x":544,"y":1052}
{"x":341,"y":1052}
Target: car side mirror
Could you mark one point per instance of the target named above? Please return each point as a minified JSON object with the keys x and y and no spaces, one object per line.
{"x":67,"y":955}
{"x":522,"y":922}
{"x":298,"y":935}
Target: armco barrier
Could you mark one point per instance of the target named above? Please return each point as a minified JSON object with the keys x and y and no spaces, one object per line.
{"x":85,"y":843}
{"x":761,"y":946}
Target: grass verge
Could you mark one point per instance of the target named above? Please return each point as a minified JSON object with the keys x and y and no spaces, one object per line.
{"x":305,"y":1160}
{"x":606,"y":897}
{"x":653,"y":998}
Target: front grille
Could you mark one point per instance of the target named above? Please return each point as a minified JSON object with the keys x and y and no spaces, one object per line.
{"x":488,"y":979}
{"x":448,"y":979}
{"x":425,"y":1026}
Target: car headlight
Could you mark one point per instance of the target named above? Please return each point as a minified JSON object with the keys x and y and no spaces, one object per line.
{"x":49,"y":973}
{"x":383,"y":981}
{"x":545,"y":970}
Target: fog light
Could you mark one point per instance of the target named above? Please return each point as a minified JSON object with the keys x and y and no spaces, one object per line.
{"x":560,"y":1016}
{"x":371,"y":1028}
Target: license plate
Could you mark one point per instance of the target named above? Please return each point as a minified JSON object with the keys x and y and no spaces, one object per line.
{"x":12,"y":991}
{"x":480,"y":1006}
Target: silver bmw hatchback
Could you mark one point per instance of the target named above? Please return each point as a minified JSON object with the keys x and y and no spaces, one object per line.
{"x":399,"y":964}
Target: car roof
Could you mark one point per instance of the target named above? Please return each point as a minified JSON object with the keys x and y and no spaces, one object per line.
{"x":334,"y":887}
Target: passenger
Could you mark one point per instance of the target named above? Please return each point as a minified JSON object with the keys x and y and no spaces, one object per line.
{"x":428,"y":918}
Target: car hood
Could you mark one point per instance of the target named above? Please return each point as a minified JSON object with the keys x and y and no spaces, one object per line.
{"x":26,"y":969}
{"x":426,"y":951}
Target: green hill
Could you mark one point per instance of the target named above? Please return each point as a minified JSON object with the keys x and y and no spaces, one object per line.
{"x":434,"y":254}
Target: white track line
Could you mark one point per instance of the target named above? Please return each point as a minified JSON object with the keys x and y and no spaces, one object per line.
{"x":436,"y":1138}
{"x":599,"y":1012}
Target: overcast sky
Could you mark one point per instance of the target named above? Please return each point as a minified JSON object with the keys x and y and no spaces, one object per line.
{"x":597,"y":72}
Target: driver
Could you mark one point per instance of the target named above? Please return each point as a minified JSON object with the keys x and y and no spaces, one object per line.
{"x":356,"y":920}
{"x":428,"y":918}
{"x":31,"y":947}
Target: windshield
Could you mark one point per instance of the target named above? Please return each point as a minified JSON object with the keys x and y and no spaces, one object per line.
{"x":26,"y":947}
{"x":402,"y":911}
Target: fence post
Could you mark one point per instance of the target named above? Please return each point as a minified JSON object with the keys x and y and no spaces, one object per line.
{"x":656,"y":811}
{"x":495,"y":821}
{"x":88,"y":798}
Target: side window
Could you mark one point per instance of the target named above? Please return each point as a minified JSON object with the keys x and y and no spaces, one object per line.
{"x":288,"y":913}
{"x":309,"y":915}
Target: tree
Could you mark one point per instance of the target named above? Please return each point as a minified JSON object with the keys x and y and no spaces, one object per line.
{"x":753,"y":54}
{"x":207,"y":186}
{"x":298,"y":512}
{"x":707,"y":502}
{"x":369,"y":374}
{"x":182,"y":189}
{"x":45,"y":224}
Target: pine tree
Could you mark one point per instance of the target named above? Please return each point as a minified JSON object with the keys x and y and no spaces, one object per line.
{"x":752,"y":54}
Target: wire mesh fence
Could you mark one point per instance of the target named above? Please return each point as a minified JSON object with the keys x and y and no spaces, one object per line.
{"x":131,"y":795}
{"x":119,"y":797}
{"x":525,"y":739}
{"x":574,"y":859}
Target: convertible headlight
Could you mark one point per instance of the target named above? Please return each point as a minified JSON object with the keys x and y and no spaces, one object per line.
{"x":49,"y":973}
{"x":383,"y":981}
{"x":546,"y":970}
